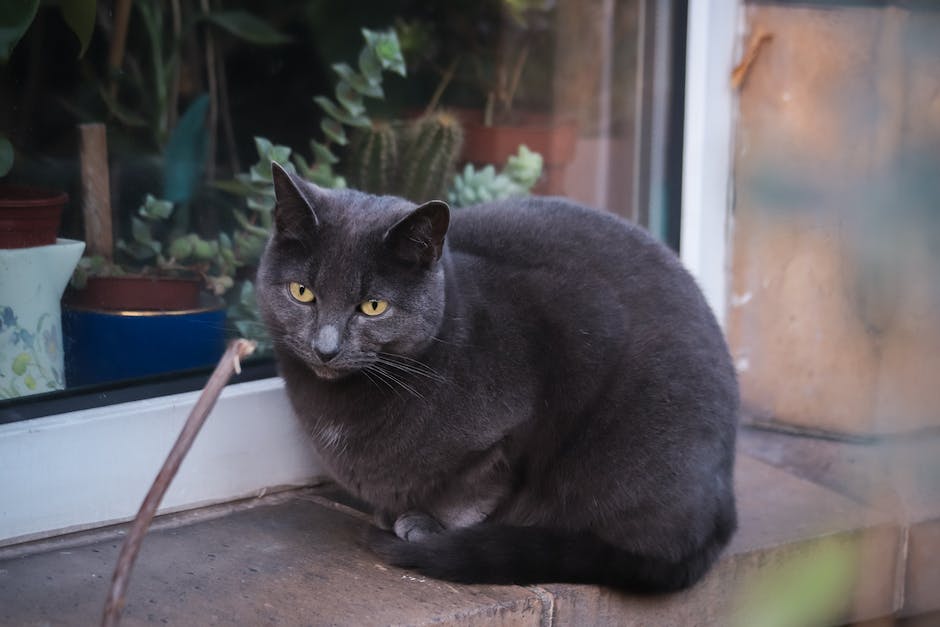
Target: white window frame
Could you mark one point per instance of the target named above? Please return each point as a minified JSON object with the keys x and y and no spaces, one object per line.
{"x":714,"y":28}
{"x":92,"y":467}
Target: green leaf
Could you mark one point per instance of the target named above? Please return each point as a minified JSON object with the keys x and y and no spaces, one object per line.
{"x":279,"y":153}
{"x":234,"y":187}
{"x":322,"y":174}
{"x":139,"y":251}
{"x":350,"y":99}
{"x":807,"y":588}
{"x":387,"y":50}
{"x":15,"y":18}
{"x":302,"y":166}
{"x":250,"y":329}
{"x":127,"y":116}
{"x":334,"y":130}
{"x":341,"y":115}
{"x":20,"y":363}
{"x":155,"y":209}
{"x":329,"y":107}
{"x":263,"y":146}
{"x":260,"y":203}
{"x":322,"y":154}
{"x":80,"y":17}
{"x":181,"y":248}
{"x":370,"y":66}
{"x":6,"y":155}
{"x":141,"y":231}
{"x":246,"y":224}
{"x":358,"y":82}
{"x":247,"y":295}
{"x":185,"y":154}
{"x":203,"y":249}
{"x":30,"y":382}
{"x":246,"y":26}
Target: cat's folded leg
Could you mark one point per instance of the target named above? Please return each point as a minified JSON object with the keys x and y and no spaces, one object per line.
{"x":415,"y":526}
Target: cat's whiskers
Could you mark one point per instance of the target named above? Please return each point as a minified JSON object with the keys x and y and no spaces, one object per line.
{"x":380,"y":376}
{"x":371,"y":377}
{"x":410,"y":366}
{"x":378,"y":368}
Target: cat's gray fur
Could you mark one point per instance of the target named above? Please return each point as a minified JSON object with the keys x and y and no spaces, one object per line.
{"x":547,"y":398}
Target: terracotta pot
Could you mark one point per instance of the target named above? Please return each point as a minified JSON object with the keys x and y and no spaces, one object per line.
{"x":138,"y":293}
{"x":29,"y":216}
{"x":553,"y":138}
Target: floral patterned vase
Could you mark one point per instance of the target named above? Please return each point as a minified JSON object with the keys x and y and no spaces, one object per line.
{"x":31,"y":284}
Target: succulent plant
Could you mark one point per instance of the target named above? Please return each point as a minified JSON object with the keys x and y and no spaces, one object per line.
{"x":381,"y":52}
{"x":155,"y":248}
{"x":473,"y":186}
{"x":243,"y":313}
{"x":525,"y":167}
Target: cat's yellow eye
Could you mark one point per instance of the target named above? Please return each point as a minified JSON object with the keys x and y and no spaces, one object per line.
{"x":373,"y":307}
{"x":301,"y":293}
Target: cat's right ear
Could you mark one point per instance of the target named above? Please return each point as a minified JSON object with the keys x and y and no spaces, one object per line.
{"x":293,"y":213}
{"x":419,"y":237}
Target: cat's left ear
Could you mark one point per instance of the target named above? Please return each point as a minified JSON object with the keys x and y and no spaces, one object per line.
{"x":419,"y":237}
{"x":293,"y":213}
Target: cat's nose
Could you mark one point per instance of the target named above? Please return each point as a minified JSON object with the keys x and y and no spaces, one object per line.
{"x":326,"y":345}
{"x":326,"y":355}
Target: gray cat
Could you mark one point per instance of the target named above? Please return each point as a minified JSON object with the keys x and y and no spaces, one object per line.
{"x":526,"y":391}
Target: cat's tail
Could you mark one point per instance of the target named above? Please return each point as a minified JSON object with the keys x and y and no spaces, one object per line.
{"x":490,"y":553}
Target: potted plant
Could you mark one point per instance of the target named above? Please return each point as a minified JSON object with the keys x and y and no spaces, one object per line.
{"x":155,"y":308}
{"x":34,"y":270}
{"x":30,"y":216}
{"x":412,"y":157}
{"x":380,"y":53}
{"x":494,"y":58}
{"x":145,"y":310}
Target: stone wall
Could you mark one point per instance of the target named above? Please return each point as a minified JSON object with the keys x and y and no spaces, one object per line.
{"x":834,"y":318}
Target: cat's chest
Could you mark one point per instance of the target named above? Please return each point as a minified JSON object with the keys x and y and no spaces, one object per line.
{"x":387,"y":467}
{"x":394,"y":452}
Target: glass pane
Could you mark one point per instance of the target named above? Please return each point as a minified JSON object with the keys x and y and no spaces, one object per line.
{"x":159,"y":121}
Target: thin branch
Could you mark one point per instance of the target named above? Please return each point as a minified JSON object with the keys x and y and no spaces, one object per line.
{"x":516,"y":77}
{"x":213,"y":122}
{"x":228,"y":364}
{"x":758,"y":39}
{"x":446,"y":78}
{"x":225,"y":111}
{"x":122,"y":15}
{"x":175,"y":69}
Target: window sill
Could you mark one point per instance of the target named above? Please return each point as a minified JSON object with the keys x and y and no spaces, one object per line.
{"x":92,"y":467}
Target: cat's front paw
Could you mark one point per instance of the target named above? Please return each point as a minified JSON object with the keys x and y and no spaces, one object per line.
{"x":416,"y":526}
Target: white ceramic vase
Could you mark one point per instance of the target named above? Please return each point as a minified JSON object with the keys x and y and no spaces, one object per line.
{"x":31,"y":284}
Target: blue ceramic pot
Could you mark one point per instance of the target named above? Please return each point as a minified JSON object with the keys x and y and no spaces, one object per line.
{"x":113,"y":345}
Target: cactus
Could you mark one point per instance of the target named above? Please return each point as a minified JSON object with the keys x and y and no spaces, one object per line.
{"x":373,"y":159}
{"x":432,"y":144}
